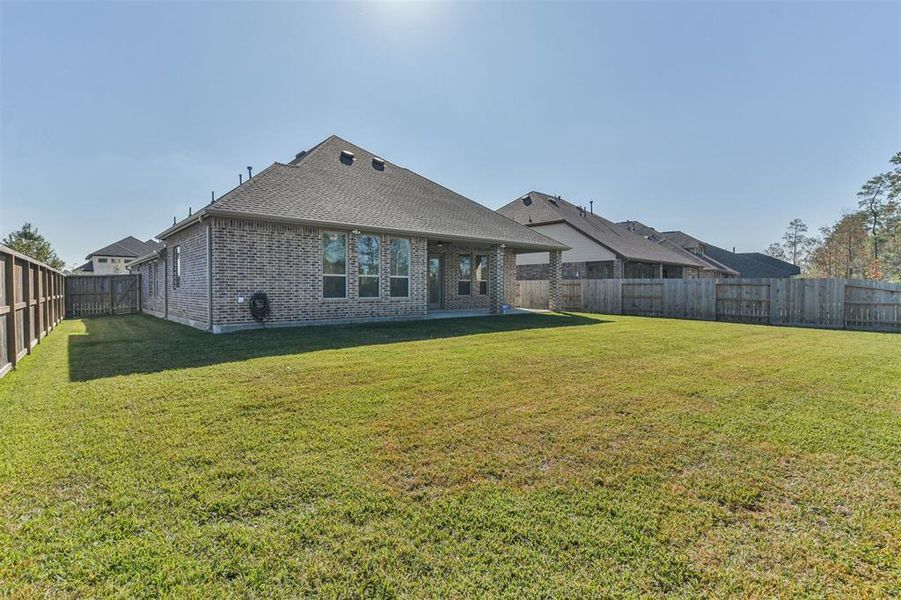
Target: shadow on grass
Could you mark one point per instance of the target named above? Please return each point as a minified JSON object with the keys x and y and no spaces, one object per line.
{"x":142,"y":344}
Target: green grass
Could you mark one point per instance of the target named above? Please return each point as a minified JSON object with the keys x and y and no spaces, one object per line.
{"x":535,"y":455}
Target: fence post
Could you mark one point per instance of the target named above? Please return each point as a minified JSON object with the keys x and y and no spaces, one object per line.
{"x":11,"y":329}
{"x":39,"y":307}
{"x":26,"y":295}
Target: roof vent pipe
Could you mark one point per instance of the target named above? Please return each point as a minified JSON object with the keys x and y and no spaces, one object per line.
{"x":591,"y":205}
{"x":189,"y":211}
{"x":249,"y":173}
{"x":212,"y":196}
{"x":240,"y":178}
{"x":173,"y":220}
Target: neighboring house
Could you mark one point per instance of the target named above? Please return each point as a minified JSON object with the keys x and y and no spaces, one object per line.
{"x":336,"y":235}
{"x":681,"y":241}
{"x":754,"y":264}
{"x":722,"y":263}
{"x":599,"y":249}
{"x":114,"y":259}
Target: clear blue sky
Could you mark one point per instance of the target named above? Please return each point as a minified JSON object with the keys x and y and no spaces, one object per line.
{"x":723,"y":119}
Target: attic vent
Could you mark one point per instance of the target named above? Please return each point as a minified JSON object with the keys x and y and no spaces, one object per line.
{"x":347,"y":156}
{"x":299,"y":154}
{"x":552,"y":200}
{"x":378,"y":163}
{"x":527,"y":201}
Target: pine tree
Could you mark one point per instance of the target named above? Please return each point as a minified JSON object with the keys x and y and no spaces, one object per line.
{"x":29,"y":242}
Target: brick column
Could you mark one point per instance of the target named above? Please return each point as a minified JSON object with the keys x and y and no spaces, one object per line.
{"x":555,"y":281}
{"x":496,"y":292}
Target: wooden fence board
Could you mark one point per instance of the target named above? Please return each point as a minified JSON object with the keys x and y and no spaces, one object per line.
{"x":90,"y":295}
{"x":30,"y":291}
{"x":827,"y":303}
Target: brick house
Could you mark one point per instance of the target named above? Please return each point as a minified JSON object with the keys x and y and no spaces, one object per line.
{"x":336,"y":235}
{"x":598,"y":248}
{"x":682,"y":242}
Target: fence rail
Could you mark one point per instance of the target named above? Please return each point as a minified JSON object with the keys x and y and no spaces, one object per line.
{"x":31,"y":305}
{"x":827,"y":303}
{"x":90,"y":295}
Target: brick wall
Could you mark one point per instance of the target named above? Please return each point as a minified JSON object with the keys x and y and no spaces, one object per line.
{"x":189,"y":300}
{"x":152,"y":296}
{"x":509,"y":276}
{"x":285,"y":261}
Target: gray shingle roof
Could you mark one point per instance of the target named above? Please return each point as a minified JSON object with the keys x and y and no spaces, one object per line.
{"x":323,"y":187}
{"x":681,"y":241}
{"x":753,"y":264}
{"x":536,"y":208}
{"x":128,"y":247}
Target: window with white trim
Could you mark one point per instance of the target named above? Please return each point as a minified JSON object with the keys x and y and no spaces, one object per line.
{"x":368,"y":266}
{"x":334,"y":265}
{"x":482,"y":273}
{"x":399,"y":267}
{"x":464,"y":275}
{"x":176,"y":266}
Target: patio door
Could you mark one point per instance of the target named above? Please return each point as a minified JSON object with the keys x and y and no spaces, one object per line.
{"x":436,"y":281}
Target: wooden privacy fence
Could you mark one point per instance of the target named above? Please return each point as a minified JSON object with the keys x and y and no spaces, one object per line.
{"x":828,"y":303}
{"x":31,"y":304}
{"x":89,"y":295}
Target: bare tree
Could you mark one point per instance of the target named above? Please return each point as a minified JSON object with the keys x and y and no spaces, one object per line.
{"x":794,"y":241}
{"x":872,"y":198}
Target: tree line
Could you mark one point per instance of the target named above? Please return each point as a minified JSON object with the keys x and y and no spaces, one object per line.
{"x":864,"y":243}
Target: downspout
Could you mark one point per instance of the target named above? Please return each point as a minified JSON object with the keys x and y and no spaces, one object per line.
{"x":209,"y":273}
{"x":166,"y":284}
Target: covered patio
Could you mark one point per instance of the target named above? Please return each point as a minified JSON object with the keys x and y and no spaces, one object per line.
{"x":464,"y":277}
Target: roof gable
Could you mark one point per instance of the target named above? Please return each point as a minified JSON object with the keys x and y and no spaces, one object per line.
{"x":127,"y":247}
{"x":339,"y":184}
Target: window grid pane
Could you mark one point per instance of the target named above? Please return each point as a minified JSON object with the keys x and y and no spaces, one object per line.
{"x":400,"y":287}
{"x":368,"y":250}
{"x":482,"y":273}
{"x":464,"y":275}
{"x":334,"y":286}
{"x":400,"y":258}
{"x":368,"y":287}
{"x":399,"y":267}
{"x":334,"y":253}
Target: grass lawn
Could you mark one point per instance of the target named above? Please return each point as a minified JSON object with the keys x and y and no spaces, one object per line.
{"x":552,"y":455}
